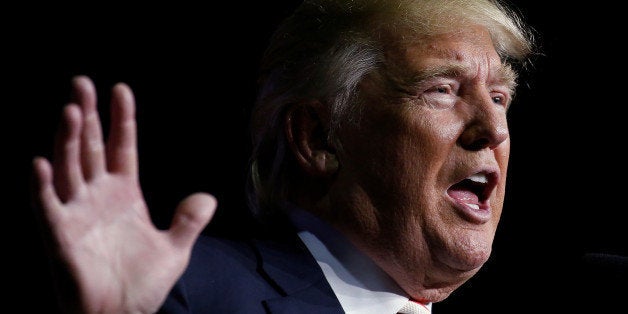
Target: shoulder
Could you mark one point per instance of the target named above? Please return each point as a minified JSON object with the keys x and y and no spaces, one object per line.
{"x":244,"y":253}
{"x":220,"y":272}
{"x":223,"y":270}
{"x":220,"y":260}
{"x":251,"y":274}
{"x":209,"y":250}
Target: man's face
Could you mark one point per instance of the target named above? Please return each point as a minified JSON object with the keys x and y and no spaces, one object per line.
{"x":423,"y":170}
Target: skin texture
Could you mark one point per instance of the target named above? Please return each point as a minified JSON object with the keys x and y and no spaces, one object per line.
{"x":434,"y":115}
{"x":97,"y":222}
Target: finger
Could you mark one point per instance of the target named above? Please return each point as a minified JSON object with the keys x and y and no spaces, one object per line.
{"x":122,"y":143}
{"x":68,"y":176}
{"x":44,"y":194}
{"x":191,"y":217}
{"x":92,"y":146}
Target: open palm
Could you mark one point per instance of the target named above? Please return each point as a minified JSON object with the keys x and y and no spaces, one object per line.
{"x":98,"y":221}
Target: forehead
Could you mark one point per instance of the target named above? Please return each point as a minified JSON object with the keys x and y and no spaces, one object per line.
{"x":470,"y":49}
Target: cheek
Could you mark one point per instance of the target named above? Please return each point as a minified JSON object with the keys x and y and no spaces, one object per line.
{"x":413,"y":166}
{"x":430,"y":139}
{"x":398,"y":154}
{"x":446,"y":130}
{"x":502,"y":155}
{"x":433,"y":131}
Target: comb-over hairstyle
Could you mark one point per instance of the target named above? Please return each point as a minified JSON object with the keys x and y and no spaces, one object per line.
{"x":324,"y":50}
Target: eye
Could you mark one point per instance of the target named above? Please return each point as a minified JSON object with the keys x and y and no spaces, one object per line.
{"x":440,"y":96}
{"x":500,"y":99}
{"x":441,"y":89}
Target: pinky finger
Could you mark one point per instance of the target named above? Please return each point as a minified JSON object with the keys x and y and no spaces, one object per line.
{"x":44,"y":194}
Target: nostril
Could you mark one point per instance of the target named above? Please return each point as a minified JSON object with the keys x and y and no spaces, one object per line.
{"x":485,"y":129}
{"x":477,"y":144}
{"x":475,"y":141}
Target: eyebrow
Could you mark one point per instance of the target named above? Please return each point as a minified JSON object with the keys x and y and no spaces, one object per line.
{"x":503,"y":75}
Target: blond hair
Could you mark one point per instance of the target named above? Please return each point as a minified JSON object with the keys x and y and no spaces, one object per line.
{"x":327,"y":47}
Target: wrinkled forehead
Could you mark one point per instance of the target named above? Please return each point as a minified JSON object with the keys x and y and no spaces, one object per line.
{"x":468,"y":52}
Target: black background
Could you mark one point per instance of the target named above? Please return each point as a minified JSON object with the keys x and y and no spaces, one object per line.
{"x":193,"y":71}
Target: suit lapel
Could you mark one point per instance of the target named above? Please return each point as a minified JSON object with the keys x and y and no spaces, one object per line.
{"x":290,"y":268}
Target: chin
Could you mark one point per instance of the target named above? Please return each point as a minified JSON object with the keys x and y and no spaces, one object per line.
{"x":472,"y":262}
{"x":466,"y":256}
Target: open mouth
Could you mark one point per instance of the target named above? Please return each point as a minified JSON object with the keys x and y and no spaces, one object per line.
{"x":472,"y":195}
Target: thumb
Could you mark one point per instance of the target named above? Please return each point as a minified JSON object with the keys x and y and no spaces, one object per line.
{"x":192,"y":215}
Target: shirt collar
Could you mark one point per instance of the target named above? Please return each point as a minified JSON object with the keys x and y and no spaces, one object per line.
{"x":359,"y":284}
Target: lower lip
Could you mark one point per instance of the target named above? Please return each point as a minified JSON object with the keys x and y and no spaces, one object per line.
{"x":478,"y":216}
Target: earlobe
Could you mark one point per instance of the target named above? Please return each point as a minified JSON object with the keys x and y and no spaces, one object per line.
{"x":306,"y":133}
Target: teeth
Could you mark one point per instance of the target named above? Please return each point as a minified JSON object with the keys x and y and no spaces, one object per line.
{"x":478,"y":177}
{"x":474,"y":206}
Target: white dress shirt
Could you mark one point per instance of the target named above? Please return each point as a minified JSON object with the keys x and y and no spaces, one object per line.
{"x":360,"y":285}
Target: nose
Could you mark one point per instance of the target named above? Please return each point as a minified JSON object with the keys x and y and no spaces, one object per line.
{"x":487,"y":126}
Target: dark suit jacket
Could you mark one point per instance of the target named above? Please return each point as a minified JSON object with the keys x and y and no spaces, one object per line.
{"x":272,"y":275}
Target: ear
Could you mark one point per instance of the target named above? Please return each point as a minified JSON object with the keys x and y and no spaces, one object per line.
{"x":306,"y":132}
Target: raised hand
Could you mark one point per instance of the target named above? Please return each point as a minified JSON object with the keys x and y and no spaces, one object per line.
{"x":96,"y":217}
